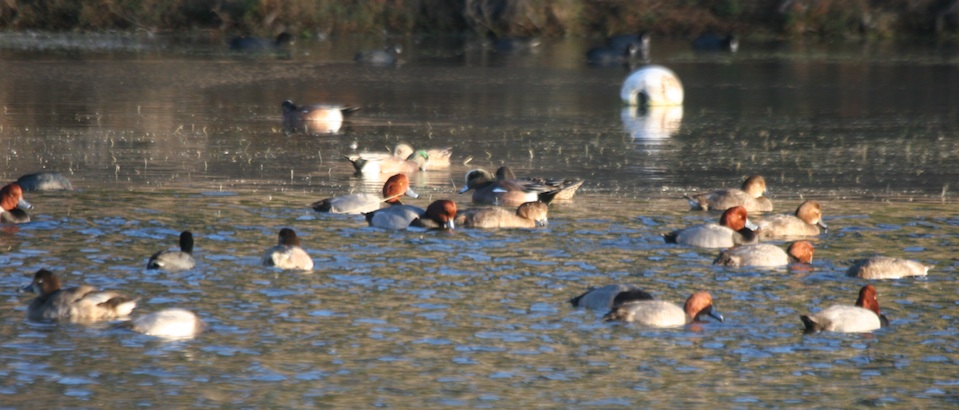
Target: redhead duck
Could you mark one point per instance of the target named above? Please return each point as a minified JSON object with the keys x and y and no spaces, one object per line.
{"x":865,"y":316}
{"x":510,"y":192}
{"x":389,"y":55}
{"x":806,"y":222}
{"x":658,"y":313}
{"x":750,"y":197}
{"x":371,"y":165}
{"x":606,"y":297}
{"x":45,"y":181}
{"x":173,"y":323}
{"x":11,"y":199}
{"x":565,"y":188}
{"x":79,"y":304}
{"x":733,"y":229}
{"x":652,"y":86}
{"x":884,"y":267}
{"x":253,"y":43}
{"x":175,"y":260}
{"x":288,"y":254}
{"x":439,"y":214}
{"x":527,"y":215}
{"x":765,"y":255}
{"x":316,"y":118}
{"x":713,"y":42}
{"x":395,"y":187}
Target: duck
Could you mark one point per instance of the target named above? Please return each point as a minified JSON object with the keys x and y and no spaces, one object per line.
{"x":253,"y":43}
{"x":604,"y":298}
{"x":316,"y":118}
{"x":657,"y":313}
{"x":527,"y":215}
{"x":172,"y":323}
{"x":437,"y":158}
{"x":83,"y":303}
{"x":734,"y":228}
{"x":714,"y":42}
{"x":565,"y":188}
{"x":13,"y":204}
{"x":175,"y":260}
{"x":394,"y":188}
{"x":395,"y":164}
{"x":508,"y":192}
{"x":884,"y":267}
{"x":806,"y":221}
{"x":607,"y":56}
{"x":45,"y":181}
{"x":389,"y":55}
{"x":652,"y":86}
{"x":864,"y":317}
{"x":751,"y":197}
{"x":287,"y":254}
{"x":440,"y":214}
{"x":640,"y":40}
{"x":765,"y":255}
{"x":505,"y":44}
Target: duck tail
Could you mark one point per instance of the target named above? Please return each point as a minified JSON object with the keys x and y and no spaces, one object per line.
{"x":122,"y":305}
{"x":724,"y":259}
{"x":358,"y":163}
{"x":547,"y":197}
{"x":671,"y":236}
{"x":811,"y":325}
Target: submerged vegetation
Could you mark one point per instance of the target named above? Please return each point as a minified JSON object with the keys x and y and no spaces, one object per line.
{"x":827,"y":18}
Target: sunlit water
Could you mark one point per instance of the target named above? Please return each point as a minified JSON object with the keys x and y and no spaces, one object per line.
{"x":164,"y":136}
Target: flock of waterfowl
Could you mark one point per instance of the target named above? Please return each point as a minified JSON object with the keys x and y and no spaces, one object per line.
{"x":518,"y":203}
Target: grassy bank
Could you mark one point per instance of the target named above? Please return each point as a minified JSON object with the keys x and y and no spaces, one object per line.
{"x":824,"y":18}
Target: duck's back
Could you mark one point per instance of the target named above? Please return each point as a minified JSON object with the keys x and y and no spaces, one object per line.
{"x":395,"y":217}
{"x":707,"y":236}
{"x":288,"y":258}
{"x":350,"y":204}
{"x":843,"y":318}
{"x":493,"y":218}
{"x":81,"y":303}
{"x":779,"y":226}
{"x":761,"y":255}
{"x":883,"y":267}
{"x":655,"y":313}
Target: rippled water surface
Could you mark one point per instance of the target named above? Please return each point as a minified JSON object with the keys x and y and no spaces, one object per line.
{"x":159,"y":136}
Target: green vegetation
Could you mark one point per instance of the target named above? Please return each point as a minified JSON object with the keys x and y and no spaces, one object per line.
{"x":825,"y":18}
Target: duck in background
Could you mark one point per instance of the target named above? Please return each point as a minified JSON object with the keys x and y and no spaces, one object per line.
{"x":712,"y":42}
{"x":751,"y":196}
{"x":175,"y":260}
{"x":865,"y":316}
{"x":394,"y":188}
{"x":389,"y":55}
{"x":527,"y":215}
{"x":440,"y":214}
{"x":13,"y":204}
{"x":508,"y":192}
{"x":604,"y":298}
{"x":734,"y":228}
{"x":315,"y":118}
{"x":622,"y":48}
{"x":45,"y":181}
{"x":884,"y":267}
{"x":287,"y":254}
{"x":765,"y":255}
{"x":172,"y":324}
{"x":657,"y":313}
{"x":565,"y":188}
{"x":83,"y":303}
{"x":367,"y":165}
{"x":805,"y":222}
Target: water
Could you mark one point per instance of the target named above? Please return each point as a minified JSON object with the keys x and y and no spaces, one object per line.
{"x":161,"y":136}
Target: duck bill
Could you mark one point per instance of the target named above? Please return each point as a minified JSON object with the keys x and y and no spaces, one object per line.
{"x":822,"y":225}
{"x":412,"y":194}
{"x":542,"y":223}
{"x":751,"y":225}
{"x":29,"y":289}
{"x":715,"y":315}
{"x":23,"y":204}
{"x":464,"y":189}
{"x":449,"y":224}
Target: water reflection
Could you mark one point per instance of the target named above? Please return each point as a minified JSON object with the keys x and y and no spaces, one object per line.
{"x":651,"y":124}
